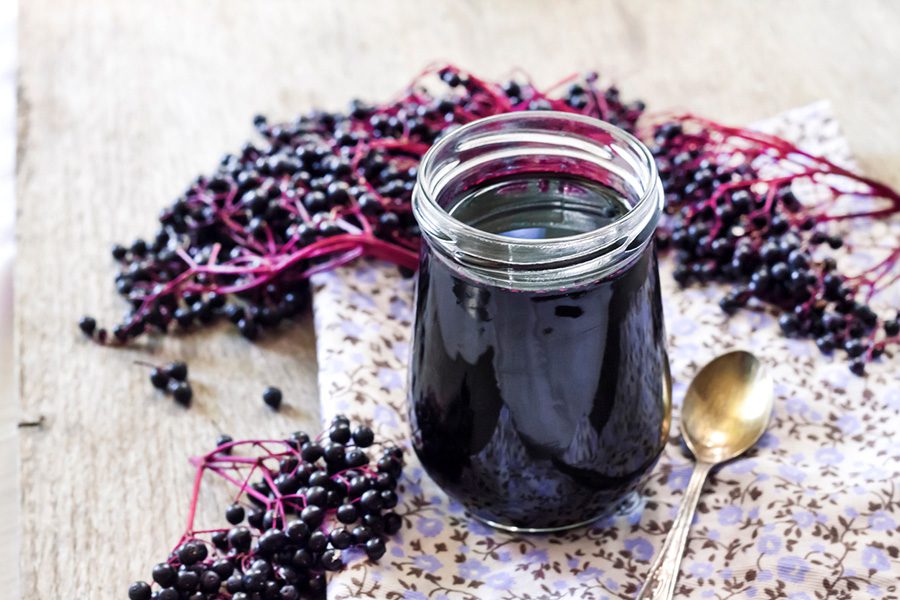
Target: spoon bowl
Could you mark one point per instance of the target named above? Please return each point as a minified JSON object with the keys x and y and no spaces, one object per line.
{"x":725,"y":411}
{"x":727,"y":407}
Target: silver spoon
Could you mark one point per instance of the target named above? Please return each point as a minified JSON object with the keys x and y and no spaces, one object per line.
{"x":725,"y":411}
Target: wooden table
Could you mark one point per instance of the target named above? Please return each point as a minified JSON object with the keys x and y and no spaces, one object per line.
{"x":122,"y":103}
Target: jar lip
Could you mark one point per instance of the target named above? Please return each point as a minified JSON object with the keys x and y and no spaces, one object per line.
{"x":433,"y":211}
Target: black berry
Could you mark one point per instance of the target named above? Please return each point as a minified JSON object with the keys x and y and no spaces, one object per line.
{"x":272,"y":397}
{"x":159,"y":378}
{"x":139,"y":590}
{"x":177,"y":370}
{"x":235,"y":514}
{"x":181,"y":391}
{"x":375,"y":548}
{"x":87,"y":325}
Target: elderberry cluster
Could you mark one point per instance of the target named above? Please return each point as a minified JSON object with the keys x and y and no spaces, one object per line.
{"x":240,"y":243}
{"x":760,"y":240}
{"x":172,"y":378}
{"x":322,"y":497}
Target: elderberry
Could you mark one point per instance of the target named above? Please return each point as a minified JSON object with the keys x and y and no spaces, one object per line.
{"x":272,"y":397}
{"x":331,"y":560}
{"x":164,"y":574}
{"x":181,"y":391}
{"x":87,"y":325}
{"x":168,"y":594}
{"x":347,"y":514}
{"x":363,"y":436}
{"x":223,"y":440}
{"x":892,"y":327}
{"x":139,"y":590}
{"x":234,"y":514}
{"x":159,"y":378}
{"x":392,"y":523}
{"x":177,"y":370}
{"x":375,"y":548}
{"x":192,"y":552}
{"x":340,"y":434}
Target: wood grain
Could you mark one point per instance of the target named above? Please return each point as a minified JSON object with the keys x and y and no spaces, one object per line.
{"x":121,"y":103}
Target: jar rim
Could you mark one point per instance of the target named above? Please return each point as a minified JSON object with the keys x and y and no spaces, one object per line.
{"x":557,"y":131}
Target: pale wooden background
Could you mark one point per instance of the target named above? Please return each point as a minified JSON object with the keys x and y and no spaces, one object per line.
{"x":121,"y":103}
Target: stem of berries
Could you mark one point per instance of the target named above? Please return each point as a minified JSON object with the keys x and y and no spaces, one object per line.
{"x":319,"y":192}
{"x":300,"y":503}
{"x":732,"y":220}
{"x":328,"y":188}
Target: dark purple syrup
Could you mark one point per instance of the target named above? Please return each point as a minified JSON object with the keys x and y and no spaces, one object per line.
{"x":539,"y":409}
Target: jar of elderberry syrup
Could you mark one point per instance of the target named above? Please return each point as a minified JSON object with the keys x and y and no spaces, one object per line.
{"x":539,"y":388}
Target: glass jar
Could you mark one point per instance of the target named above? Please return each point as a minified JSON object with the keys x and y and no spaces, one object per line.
{"x":539,"y":388}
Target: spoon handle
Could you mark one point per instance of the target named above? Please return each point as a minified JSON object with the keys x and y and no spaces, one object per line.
{"x":663,"y":574}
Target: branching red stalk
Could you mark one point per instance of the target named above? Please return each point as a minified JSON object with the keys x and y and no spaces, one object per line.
{"x":322,"y":191}
{"x":277,"y":543}
{"x":328,"y":188}
{"x":732,"y":222}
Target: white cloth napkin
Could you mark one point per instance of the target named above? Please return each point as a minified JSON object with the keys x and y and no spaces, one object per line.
{"x":812,"y":512}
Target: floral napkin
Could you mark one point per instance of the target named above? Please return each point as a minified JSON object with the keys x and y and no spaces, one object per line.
{"x":812,"y":512}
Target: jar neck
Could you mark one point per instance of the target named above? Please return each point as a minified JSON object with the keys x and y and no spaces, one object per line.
{"x":543,"y":143}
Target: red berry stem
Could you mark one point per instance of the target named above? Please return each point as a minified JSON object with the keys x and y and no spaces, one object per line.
{"x":733,"y":220}
{"x":303,"y":504}
{"x":320,"y":192}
